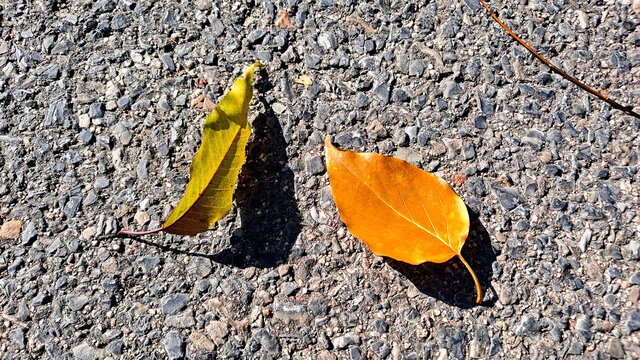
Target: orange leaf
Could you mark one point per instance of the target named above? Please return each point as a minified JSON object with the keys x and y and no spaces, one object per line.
{"x":397,"y":209}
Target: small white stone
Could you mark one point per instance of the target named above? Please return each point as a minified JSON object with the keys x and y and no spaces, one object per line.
{"x":583,"y":19}
{"x":278,"y":108}
{"x":84,"y":121}
{"x":585,"y":239}
{"x":136,"y":57}
{"x":142,"y":217}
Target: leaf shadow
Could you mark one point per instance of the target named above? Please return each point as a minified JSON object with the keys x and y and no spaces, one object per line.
{"x":270,"y":219}
{"x":450,"y":282}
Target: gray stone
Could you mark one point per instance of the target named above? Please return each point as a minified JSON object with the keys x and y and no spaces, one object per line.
{"x":344,"y":341}
{"x":95,"y":110}
{"x":172,"y":303}
{"x":76,"y":302}
{"x":575,"y":348}
{"x":173,"y":344}
{"x":508,"y":198}
{"x":312,"y":61}
{"x":17,"y":337}
{"x":615,"y":349}
{"x":451,"y":88}
{"x":266,"y":341}
{"x":529,"y":325}
{"x":315,"y":165}
{"x":381,"y":326}
{"x":583,"y":328}
{"x":416,"y":68}
{"x":328,"y":41}
{"x":118,"y":22}
{"x":28,"y":234}
{"x":115,"y":347}
{"x":168,"y":63}
{"x":355,"y":354}
{"x":484,"y":105}
{"x":86,"y":136}
{"x":86,"y":352}
{"x":184,"y":320}
{"x":362,"y":101}
{"x":380,"y":348}
{"x":473,"y":4}
{"x":256,"y":35}
{"x":72,"y":205}
{"x":199,"y":267}
{"x":633,"y":321}
{"x":383,"y":92}
{"x":101,"y":183}
{"x":124,"y":102}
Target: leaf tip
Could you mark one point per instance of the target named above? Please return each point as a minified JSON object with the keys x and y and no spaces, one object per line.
{"x":251,"y":69}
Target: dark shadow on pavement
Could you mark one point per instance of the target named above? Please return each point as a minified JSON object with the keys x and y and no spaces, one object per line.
{"x":265,"y":196}
{"x":450,"y":282}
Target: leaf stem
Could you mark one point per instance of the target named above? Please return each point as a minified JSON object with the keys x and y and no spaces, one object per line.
{"x":600,"y":95}
{"x":138,"y":233}
{"x":475,"y":280}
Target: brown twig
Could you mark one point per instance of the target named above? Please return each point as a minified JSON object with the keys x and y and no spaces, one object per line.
{"x":602,"y":96}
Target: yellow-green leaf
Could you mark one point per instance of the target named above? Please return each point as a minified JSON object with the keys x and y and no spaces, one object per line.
{"x":216,"y":166}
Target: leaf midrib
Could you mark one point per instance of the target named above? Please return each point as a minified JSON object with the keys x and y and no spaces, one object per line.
{"x":397,"y":211}
{"x":235,"y":138}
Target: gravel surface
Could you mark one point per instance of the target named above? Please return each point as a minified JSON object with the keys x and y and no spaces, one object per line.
{"x":100,"y":115}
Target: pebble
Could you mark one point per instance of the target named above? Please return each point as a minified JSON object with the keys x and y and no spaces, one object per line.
{"x":142,"y":218}
{"x":199,"y":267}
{"x":344,"y":341}
{"x":85,"y":351}
{"x":355,"y":353}
{"x":484,"y":105}
{"x":289,"y":288}
{"x":315,"y":165}
{"x":101,"y":183}
{"x":508,"y":198}
{"x":381,"y":326}
{"x":173,"y":303}
{"x":17,"y":336}
{"x":615,"y":349}
{"x":328,"y":41}
{"x":362,"y":101}
{"x":124,"y":102}
{"x":86,"y":136}
{"x":76,"y":302}
{"x":95,"y":111}
{"x":11,"y":229}
{"x":585,"y":239}
{"x":633,"y":320}
{"x":583,"y":328}
{"x":380,"y":348}
{"x":183,"y":320}
{"x":217,"y":331}
{"x":201,"y":342}
{"x":529,"y":325}
{"x":84,"y":121}
{"x":382,"y":91}
{"x":173,"y":344}
{"x":416,"y":68}
{"x":168,"y":63}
